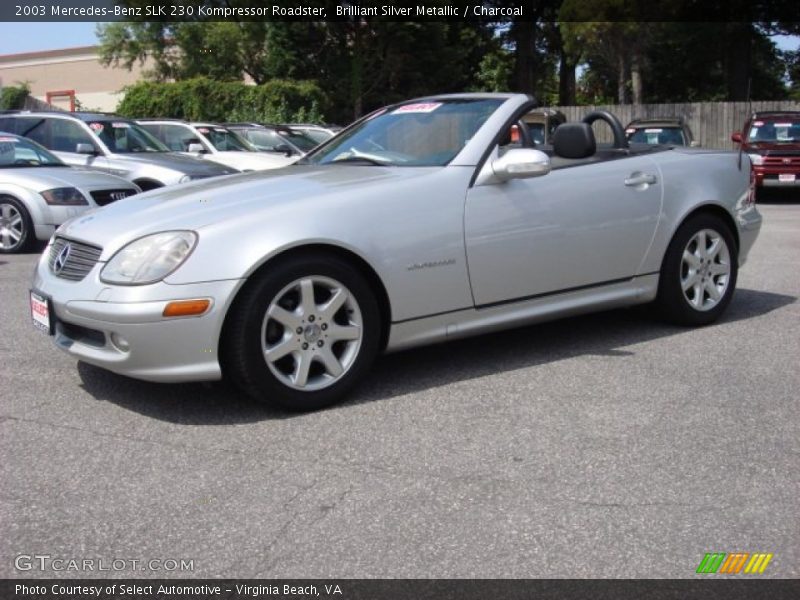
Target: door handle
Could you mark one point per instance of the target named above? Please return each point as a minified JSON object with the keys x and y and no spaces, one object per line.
{"x":640,"y":179}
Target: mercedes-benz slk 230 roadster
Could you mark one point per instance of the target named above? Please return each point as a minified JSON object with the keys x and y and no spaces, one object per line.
{"x":425,"y":221}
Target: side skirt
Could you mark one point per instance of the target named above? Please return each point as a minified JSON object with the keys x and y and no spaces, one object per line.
{"x":475,"y":321}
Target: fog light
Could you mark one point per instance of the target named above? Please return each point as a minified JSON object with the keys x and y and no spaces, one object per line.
{"x":186,"y":308}
{"x":120,"y":342}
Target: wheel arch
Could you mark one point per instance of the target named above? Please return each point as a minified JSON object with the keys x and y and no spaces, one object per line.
{"x":327,"y":249}
{"x":716,"y":210}
{"x":146,"y":184}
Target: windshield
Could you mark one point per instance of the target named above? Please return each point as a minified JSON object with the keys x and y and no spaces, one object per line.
{"x":656,"y":135}
{"x":785,"y":131}
{"x":422,"y":134}
{"x":300,"y":140}
{"x":268,"y":139}
{"x":225,"y":140}
{"x":20,"y":152}
{"x":318,"y":135}
{"x":124,"y":137}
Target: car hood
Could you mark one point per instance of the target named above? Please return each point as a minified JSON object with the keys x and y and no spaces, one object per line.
{"x":178,"y":162}
{"x":289,"y":193}
{"x":250,"y":161}
{"x":39,"y":179}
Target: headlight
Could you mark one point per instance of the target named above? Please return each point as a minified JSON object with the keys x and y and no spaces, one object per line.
{"x":756,"y":159}
{"x":66,"y":196}
{"x":149,"y":259}
{"x":185,"y":179}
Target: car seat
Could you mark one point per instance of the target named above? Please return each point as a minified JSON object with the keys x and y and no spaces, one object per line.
{"x":574,"y":140}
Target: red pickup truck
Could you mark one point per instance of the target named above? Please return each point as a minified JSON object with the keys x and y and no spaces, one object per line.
{"x":772,"y":140}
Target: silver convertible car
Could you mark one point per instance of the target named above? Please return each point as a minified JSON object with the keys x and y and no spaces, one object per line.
{"x":425,"y":221}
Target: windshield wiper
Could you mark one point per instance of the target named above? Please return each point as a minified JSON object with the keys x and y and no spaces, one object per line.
{"x":360,"y":159}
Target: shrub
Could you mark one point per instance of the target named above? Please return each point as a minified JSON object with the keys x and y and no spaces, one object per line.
{"x":13,"y":96}
{"x":201,"y":99}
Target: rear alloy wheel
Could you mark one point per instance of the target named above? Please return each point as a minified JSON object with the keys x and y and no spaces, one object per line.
{"x":303,"y":334}
{"x":698,"y":276}
{"x":16,"y":228}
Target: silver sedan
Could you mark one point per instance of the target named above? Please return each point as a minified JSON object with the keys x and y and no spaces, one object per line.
{"x":425,"y":221}
{"x":38,"y":192}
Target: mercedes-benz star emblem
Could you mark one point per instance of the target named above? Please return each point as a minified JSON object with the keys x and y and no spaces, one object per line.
{"x":61,"y":259}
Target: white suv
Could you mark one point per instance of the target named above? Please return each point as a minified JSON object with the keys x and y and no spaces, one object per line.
{"x":110,"y":144}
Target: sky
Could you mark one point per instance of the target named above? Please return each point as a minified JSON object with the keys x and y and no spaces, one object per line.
{"x":30,"y":37}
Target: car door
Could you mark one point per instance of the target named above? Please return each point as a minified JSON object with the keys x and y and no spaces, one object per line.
{"x":581,"y":225}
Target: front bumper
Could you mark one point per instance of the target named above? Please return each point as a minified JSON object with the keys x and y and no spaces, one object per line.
{"x":121,"y":328}
{"x":769,"y":176}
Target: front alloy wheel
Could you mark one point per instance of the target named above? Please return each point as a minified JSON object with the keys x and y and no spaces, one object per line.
{"x":15,"y":226}
{"x":302,"y":333}
{"x":311,"y":333}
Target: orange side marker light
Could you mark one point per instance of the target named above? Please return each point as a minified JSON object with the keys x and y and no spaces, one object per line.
{"x":186,"y":308}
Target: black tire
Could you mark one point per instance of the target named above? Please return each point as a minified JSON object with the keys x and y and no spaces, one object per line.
{"x":241,"y":350}
{"x":27,"y":237}
{"x":671,"y":302}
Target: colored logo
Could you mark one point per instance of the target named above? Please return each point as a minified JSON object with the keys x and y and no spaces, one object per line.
{"x":732,"y":564}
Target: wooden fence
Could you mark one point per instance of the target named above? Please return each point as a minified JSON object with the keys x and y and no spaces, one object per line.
{"x":711,"y":122}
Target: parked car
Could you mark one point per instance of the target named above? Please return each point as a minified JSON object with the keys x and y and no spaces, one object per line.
{"x":772,"y":141}
{"x":274,"y":138}
{"x":110,"y":144}
{"x":214,"y":143}
{"x":661,"y":130}
{"x":318,"y":133}
{"x":413,"y":226}
{"x":38,"y":192}
{"x":542,"y":124}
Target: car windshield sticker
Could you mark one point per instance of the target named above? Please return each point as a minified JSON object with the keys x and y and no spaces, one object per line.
{"x":630,"y":130}
{"x":96,"y":127}
{"x":653,"y":130}
{"x":202,"y":129}
{"x":220,"y":130}
{"x":420,"y":107}
{"x":783,"y":124}
{"x":758,"y":123}
{"x":8,"y":139}
{"x":120,"y":125}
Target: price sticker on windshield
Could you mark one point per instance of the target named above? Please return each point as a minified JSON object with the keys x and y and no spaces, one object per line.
{"x":96,"y":127}
{"x":120,"y":125}
{"x":420,"y":107}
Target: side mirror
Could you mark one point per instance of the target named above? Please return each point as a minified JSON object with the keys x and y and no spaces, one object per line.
{"x":283,"y":149}
{"x":694,"y":144}
{"x":196,"y":148}
{"x":85,"y":149}
{"x":521,"y":163}
{"x":736,"y":137}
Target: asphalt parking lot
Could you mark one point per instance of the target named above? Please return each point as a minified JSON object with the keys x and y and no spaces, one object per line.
{"x":603,"y":446}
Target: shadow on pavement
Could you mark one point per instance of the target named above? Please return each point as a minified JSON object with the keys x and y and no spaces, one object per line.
{"x":423,"y":368}
{"x":777,"y":196}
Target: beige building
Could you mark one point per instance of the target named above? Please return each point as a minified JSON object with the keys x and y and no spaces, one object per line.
{"x":70,"y":78}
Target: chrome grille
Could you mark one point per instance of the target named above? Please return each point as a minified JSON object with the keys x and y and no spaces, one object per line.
{"x":77,"y":262}
{"x":103,"y":197}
